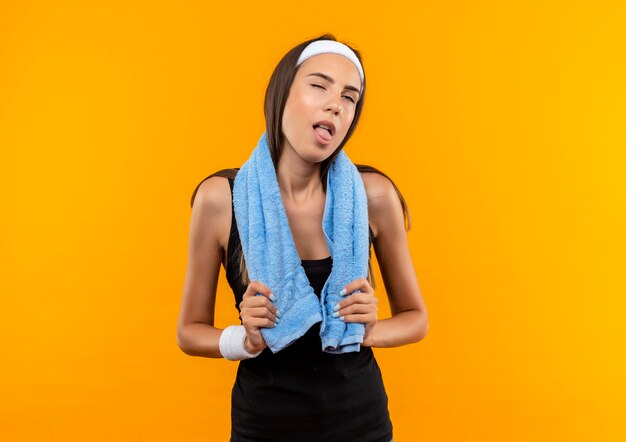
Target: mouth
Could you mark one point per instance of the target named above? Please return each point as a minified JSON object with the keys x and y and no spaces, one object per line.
{"x":322,"y":135}
{"x":324,"y":130}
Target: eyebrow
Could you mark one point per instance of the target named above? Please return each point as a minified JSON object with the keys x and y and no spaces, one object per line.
{"x":332,"y":81}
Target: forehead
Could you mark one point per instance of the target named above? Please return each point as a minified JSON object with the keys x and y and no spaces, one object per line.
{"x":342,"y":70}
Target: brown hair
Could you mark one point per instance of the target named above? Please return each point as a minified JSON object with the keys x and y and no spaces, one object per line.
{"x":275,"y":100}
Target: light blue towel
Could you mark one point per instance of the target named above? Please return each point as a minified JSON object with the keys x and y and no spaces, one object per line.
{"x":271,"y":256}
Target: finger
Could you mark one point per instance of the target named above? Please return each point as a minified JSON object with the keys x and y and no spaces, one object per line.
{"x":260,"y":322}
{"x":358,"y":284}
{"x":258,"y":287}
{"x":362,"y":318}
{"x":356,"y":309}
{"x":356,"y":298}
{"x":261,"y":312}
{"x":262,"y":302}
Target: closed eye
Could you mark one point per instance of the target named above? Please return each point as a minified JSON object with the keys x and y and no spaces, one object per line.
{"x":347,"y":96}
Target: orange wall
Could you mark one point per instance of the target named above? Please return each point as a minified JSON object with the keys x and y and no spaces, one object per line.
{"x":501,"y":122}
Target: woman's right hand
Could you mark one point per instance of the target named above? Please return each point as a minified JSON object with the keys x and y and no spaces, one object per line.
{"x":257,"y":312}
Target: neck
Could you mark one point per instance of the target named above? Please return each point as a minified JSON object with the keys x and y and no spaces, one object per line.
{"x":299,"y":180}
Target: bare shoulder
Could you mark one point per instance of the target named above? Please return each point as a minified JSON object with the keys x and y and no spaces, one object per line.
{"x":213,"y":194}
{"x":213,"y":204}
{"x":382,"y":199}
{"x":376,"y":185}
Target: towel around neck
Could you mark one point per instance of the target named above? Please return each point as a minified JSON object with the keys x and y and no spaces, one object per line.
{"x":271,"y":256}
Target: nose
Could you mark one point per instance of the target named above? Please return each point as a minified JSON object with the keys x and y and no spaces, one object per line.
{"x":334,"y":105}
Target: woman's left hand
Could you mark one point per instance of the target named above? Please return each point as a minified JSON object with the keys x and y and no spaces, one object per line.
{"x":359,"y":307}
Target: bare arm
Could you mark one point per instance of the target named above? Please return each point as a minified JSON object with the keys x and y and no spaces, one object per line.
{"x":196,"y":334}
{"x":409,"y":321}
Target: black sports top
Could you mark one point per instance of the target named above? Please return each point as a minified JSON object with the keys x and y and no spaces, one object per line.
{"x":302,"y":393}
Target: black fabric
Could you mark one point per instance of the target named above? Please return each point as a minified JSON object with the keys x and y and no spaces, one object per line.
{"x":301,"y":393}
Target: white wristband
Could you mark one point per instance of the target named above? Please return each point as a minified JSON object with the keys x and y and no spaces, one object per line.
{"x":231,"y":344}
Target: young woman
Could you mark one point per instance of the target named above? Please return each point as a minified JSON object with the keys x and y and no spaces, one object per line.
{"x":302,"y":393}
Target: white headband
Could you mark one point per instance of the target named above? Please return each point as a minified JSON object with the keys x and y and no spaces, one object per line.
{"x":331,"y":47}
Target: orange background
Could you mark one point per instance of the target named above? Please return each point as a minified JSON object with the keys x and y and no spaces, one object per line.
{"x":501,"y":122}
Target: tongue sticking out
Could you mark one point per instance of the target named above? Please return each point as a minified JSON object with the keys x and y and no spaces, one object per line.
{"x":323,"y":133}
